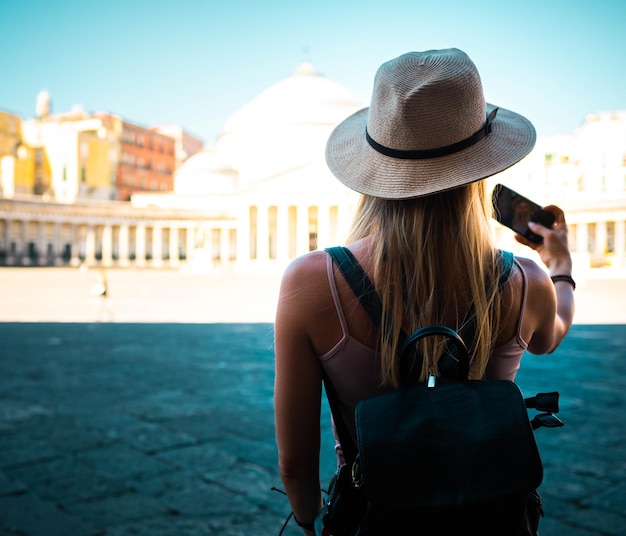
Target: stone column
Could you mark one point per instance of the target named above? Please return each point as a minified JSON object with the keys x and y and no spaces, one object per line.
{"x":190,"y":243}
{"x":302,"y":230}
{"x":107,"y":245}
{"x":42,"y":250}
{"x":282,"y":233}
{"x":74,"y":245}
{"x":57,"y":251}
{"x":243,"y":236}
{"x":157,"y":245}
{"x":10,"y":259}
{"x":224,"y":246}
{"x":601,"y":239}
{"x":582,"y":245}
{"x":173,"y":246}
{"x":323,"y":227}
{"x":90,"y":245}
{"x":343,"y":223}
{"x":23,"y":244}
{"x":582,"y":239}
{"x":333,"y":225}
{"x":620,"y":243}
{"x":262,"y":234}
{"x":123,"y":244}
{"x":140,"y":245}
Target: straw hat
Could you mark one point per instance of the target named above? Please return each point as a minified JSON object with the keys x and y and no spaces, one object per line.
{"x":428,"y":129}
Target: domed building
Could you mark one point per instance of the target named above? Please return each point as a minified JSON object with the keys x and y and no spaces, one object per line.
{"x":266,"y":182}
{"x":205,"y":174}
{"x":286,"y":126}
{"x":264,"y":195}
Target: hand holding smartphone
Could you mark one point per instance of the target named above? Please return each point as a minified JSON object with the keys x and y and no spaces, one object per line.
{"x":515,"y":211}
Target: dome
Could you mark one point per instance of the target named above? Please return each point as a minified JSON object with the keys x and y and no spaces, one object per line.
{"x":205,"y":173}
{"x":305,"y":97}
{"x":286,"y":125}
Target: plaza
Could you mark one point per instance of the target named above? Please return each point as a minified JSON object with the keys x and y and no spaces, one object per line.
{"x":160,"y":422}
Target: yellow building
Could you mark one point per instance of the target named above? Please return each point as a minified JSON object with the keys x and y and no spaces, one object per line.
{"x":17,"y":160}
{"x":10,"y":133}
{"x":98,"y":156}
{"x":75,"y":156}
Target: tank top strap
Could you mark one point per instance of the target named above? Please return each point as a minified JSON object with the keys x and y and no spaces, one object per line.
{"x":335,"y":294}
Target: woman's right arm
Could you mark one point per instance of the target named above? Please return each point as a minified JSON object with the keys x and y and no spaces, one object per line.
{"x":550,"y":305}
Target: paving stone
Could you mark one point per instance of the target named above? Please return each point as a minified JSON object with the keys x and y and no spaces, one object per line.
{"x":65,"y":433}
{"x":121,"y":461}
{"x":170,"y":525}
{"x":159,"y":485}
{"x":611,"y":499}
{"x":167,"y":429}
{"x":204,"y":457}
{"x":10,"y":486}
{"x":19,"y":450}
{"x":67,"y":480}
{"x":27,"y":515}
{"x":120,"y":509}
{"x":209,"y":500}
{"x":199,"y":427}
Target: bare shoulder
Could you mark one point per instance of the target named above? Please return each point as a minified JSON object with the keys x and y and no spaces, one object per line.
{"x":305,"y":270}
{"x":537,"y":276}
{"x":304,"y":283}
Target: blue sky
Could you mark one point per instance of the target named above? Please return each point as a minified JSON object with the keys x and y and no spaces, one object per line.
{"x":196,"y":62}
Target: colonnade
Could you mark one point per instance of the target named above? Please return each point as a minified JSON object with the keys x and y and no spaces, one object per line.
{"x":36,"y":241}
{"x":282,"y":232}
{"x":595,"y":242}
{"x":246,"y":238}
{"x":603,"y":241}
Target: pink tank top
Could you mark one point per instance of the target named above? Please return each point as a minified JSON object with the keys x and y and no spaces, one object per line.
{"x":354,"y":368}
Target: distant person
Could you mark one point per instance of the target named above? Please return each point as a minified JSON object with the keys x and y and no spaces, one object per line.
{"x":419,"y":156}
{"x":100,"y":289}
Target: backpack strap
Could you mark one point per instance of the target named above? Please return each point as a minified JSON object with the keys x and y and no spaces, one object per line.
{"x":363,"y":287}
{"x":358,"y":280}
{"x":506,"y":259}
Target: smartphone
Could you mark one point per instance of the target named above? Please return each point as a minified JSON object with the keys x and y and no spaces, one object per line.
{"x":515,"y":211}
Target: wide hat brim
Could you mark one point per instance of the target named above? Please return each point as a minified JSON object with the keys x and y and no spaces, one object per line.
{"x":361,"y":168}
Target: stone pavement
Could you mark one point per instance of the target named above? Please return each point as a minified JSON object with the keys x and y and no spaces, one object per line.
{"x":147,"y":295}
{"x":123,"y":429}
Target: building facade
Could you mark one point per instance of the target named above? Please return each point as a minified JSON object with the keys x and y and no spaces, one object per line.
{"x":17,"y":160}
{"x":186,"y":145}
{"x":77,"y":155}
{"x":263,"y":194}
{"x":34,"y":233}
{"x":585,"y":174}
{"x":147,"y":161}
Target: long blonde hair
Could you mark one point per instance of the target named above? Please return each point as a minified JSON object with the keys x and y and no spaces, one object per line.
{"x":433,"y":260}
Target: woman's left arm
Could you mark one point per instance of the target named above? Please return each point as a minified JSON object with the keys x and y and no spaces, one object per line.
{"x":298,"y":391}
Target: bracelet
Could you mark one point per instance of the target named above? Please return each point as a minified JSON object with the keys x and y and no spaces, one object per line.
{"x":307,"y":526}
{"x":566,"y":278}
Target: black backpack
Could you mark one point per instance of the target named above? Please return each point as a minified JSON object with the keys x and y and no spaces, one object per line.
{"x":451,"y":456}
